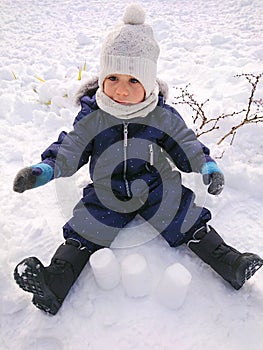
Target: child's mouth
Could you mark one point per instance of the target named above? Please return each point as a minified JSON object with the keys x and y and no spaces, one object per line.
{"x":123,"y":103}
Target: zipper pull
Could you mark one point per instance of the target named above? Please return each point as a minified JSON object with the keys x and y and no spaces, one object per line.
{"x":125,"y":132}
{"x":151,"y":154}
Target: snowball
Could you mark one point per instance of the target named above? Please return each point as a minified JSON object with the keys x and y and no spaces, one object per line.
{"x":173,"y":286}
{"x":136,"y":278}
{"x":105,"y":268}
{"x":134,"y":14}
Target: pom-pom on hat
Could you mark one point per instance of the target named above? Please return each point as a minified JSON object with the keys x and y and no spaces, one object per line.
{"x":131,"y":49}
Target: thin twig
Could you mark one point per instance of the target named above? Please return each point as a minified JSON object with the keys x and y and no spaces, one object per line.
{"x":199,"y":116}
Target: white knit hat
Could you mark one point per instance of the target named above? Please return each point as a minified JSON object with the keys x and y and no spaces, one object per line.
{"x":131,"y":49}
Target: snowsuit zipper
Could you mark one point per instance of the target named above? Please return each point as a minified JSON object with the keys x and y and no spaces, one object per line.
{"x":151,"y":154}
{"x":125,"y":145}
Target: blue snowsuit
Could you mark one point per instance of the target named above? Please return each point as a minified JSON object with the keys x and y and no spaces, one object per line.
{"x":130,"y":164}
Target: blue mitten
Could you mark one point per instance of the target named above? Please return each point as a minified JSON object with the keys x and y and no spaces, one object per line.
{"x":213,"y":177}
{"x":33,"y":176}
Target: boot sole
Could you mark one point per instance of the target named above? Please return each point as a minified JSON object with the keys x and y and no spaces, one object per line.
{"x":245,"y":272}
{"x":29,"y":275}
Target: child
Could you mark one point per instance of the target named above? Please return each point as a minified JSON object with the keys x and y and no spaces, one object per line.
{"x":130,"y":136}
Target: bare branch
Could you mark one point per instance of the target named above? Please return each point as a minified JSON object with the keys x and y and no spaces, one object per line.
{"x":249,"y":118}
{"x":251,"y":114}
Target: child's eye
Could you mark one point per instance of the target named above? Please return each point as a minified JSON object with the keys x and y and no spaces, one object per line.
{"x":134,"y":81}
{"x":112,"y":78}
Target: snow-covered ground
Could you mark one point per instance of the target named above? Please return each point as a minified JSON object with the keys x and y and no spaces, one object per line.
{"x":204,"y":43}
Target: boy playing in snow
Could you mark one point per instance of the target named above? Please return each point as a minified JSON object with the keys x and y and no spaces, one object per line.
{"x":130,"y":136}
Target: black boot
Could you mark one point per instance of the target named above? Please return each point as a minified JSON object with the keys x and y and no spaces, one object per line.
{"x":229,"y":263}
{"x":50,"y":285}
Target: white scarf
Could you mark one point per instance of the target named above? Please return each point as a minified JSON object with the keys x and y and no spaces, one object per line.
{"x":127,"y":111}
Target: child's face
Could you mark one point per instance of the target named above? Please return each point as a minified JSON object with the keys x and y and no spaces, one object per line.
{"x":123,"y":89}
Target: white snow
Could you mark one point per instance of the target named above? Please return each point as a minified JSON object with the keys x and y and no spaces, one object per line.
{"x":44,"y":44}
{"x":21,"y":269}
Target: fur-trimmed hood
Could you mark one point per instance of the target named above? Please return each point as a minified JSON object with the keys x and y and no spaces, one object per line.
{"x":90,"y":87}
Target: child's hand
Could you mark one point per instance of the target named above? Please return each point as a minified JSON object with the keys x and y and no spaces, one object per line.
{"x":31,"y":177}
{"x":213,"y":175}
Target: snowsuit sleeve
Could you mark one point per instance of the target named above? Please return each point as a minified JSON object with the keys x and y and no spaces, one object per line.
{"x":71,"y":150}
{"x":69,"y":153}
{"x":182,"y":145}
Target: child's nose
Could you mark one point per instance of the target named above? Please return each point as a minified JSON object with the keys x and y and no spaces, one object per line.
{"x":122,"y":89}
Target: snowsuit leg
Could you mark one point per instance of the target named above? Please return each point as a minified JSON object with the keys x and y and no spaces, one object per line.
{"x":189,"y":225}
{"x":174,"y":213}
{"x":93,"y":224}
